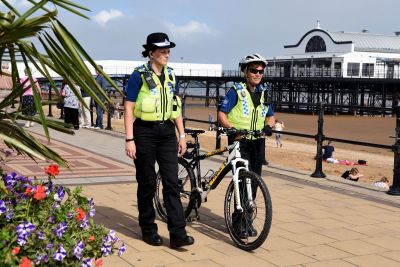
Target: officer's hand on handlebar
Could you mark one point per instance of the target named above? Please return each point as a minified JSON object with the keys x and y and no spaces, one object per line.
{"x":267,"y":130}
{"x":231,"y":131}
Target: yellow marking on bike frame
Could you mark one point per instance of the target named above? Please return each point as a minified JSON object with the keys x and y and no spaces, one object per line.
{"x":216,"y":174}
{"x":216,"y":151}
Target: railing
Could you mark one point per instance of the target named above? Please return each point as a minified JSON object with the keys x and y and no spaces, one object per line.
{"x":320,"y":138}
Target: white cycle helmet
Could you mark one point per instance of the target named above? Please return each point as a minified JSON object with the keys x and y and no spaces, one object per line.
{"x":250,"y":59}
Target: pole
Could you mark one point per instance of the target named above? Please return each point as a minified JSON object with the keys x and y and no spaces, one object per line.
{"x":318,"y":173}
{"x":50,"y":105}
{"x":109,"y":111}
{"x":395,"y":188}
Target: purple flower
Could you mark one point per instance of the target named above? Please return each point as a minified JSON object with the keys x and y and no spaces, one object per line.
{"x":49,"y":246}
{"x":40,"y":235}
{"x":79,"y":247}
{"x":92,"y":211}
{"x":24,"y":229}
{"x":9,"y":215}
{"x":42,"y":258}
{"x":86,"y":262}
{"x":10,"y":180}
{"x":61,"y":228}
{"x":121,"y":249}
{"x":70,"y":215}
{"x":3,"y":207}
{"x":111,"y":237}
{"x":51,"y":219}
{"x":106,"y":249}
{"x":59,"y":195}
{"x":60,"y":254}
{"x":22,"y":240}
{"x":84,"y":223}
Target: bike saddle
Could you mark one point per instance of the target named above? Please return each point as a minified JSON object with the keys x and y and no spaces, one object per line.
{"x":194,"y":132}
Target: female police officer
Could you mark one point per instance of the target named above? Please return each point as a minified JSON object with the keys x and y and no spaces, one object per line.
{"x":152,"y":110}
{"x":246,"y":107}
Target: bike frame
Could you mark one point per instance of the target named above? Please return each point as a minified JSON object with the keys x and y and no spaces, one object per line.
{"x":233,"y":159}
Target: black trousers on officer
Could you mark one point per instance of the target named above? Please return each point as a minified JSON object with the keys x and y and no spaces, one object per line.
{"x":157,"y":142}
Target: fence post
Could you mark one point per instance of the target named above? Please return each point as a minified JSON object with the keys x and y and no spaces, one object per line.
{"x":218,"y":133}
{"x":318,"y":173}
{"x":110,"y":109}
{"x":50,"y":105}
{"x":395,"y":188}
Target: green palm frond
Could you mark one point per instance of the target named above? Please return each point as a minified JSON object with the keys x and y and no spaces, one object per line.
{"x":59,"y":51}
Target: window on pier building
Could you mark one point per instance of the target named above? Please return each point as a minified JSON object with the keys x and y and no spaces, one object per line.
{"x":353,"y":69}
{"x":316,"y":44}
{"x":368,"y":69}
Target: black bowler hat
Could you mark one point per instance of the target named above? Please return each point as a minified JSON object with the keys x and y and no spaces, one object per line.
{"x":158,"y":40}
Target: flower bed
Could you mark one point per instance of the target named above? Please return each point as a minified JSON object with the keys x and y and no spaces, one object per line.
{"x":42,"y":224}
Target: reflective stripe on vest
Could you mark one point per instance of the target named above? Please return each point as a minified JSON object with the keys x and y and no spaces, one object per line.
{"x":155,"y":104}
{"x":244,"y":115}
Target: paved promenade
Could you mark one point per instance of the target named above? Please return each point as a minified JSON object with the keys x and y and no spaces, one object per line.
{"x":316,"y":222}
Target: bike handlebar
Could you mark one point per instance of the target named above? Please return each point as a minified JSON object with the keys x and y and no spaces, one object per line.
{"x":234,"y":131}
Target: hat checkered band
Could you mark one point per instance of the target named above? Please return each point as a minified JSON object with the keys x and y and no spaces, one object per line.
{"x":165,"y":43}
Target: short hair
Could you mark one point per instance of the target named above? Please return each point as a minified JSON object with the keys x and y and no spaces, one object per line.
{"x":100,"y":66}
{"x":384,"y":179}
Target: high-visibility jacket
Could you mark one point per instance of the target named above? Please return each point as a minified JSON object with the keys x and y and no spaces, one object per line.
{"x":244,"y":116}
{"x":158,"y":103}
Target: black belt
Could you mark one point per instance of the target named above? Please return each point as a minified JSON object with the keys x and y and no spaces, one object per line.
{"x":142,"y":122}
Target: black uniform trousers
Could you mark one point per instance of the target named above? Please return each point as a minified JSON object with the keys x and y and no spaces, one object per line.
{"x":156,"y":141}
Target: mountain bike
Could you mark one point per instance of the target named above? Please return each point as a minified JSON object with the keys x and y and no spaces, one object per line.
{"x":247,"y":207}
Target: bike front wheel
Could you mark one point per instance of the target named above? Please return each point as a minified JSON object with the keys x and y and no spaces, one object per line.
{"x":186,"y":186}
{"x":248,"y":228}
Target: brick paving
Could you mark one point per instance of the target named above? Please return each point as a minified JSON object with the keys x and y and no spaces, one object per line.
{"x":316,"y":222}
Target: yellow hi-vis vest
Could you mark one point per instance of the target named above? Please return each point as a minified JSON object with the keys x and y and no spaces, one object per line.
{"x":244,"y":115}
{"x":158,"y":103}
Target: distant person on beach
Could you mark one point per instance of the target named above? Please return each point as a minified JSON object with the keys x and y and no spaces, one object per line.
{"x":278,"y":126}
{"x":28,"y":102}
{"x":353,"y":175}
{"x":328,"y":151}
{"x":382,"y":183}
{"x":246,"y":107}
{"x":152,"y":111}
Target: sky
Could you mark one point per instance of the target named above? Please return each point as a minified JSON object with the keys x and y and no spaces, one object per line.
{"x":218,"y":31}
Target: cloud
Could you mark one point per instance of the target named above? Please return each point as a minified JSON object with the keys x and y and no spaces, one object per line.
{"x":190,"y":28}
{"x":105,"y":16}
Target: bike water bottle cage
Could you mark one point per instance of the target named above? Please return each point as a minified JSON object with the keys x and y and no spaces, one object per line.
{"x":149,"y":79}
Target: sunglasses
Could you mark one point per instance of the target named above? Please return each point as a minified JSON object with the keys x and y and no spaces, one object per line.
{"x":255,"y":71}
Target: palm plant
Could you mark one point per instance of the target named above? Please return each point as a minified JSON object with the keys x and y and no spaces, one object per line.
{"x":37,"y":37}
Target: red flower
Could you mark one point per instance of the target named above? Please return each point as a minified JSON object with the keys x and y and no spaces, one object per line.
{"x":99,"y":263}
{"x":27,"y":191}
{"x":52,"y":170}
{"x":40,"y":192}
{"x":91,"y":238}
{"x":25,"y":262}
{"x":81,"y":214}
{"x":15,"y":250}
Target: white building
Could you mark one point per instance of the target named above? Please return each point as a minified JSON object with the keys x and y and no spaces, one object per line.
{"x":320,"y":53}
{"x":123,"y":67}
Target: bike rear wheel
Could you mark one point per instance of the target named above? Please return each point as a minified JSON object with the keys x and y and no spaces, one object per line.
{"x":186,"y":186}
{"x":248,"y":229}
